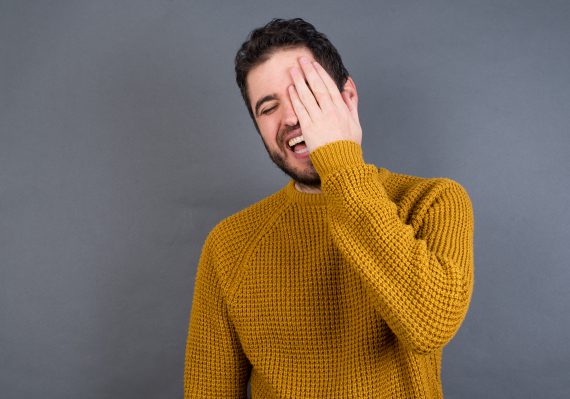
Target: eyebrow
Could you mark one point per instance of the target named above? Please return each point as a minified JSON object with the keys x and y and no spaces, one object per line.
{"x":262,"y":100}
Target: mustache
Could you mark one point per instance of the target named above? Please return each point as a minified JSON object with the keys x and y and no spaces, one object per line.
{"x":286,"y":130}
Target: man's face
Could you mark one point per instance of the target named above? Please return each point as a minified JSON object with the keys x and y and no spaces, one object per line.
{"x":267,"y":86}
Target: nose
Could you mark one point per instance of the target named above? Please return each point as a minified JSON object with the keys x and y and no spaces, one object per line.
{"x":289,"y":115}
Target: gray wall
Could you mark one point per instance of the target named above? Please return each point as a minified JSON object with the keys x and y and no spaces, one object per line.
{"x":123,"y":140}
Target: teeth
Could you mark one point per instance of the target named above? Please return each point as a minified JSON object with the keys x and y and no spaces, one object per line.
{"x":295,"y":140}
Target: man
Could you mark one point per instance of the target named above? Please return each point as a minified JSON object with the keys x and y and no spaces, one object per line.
{"x":348,"y":281}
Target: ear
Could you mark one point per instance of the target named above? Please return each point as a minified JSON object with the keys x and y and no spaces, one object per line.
{"x":350,"y":97}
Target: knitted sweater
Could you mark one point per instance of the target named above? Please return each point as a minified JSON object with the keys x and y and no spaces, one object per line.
{"x":351,"y":293}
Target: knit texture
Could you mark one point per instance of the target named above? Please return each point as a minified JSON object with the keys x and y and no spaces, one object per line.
{"x":351,"y":293}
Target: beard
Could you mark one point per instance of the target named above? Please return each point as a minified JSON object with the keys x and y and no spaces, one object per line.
{"x":307,"y":176}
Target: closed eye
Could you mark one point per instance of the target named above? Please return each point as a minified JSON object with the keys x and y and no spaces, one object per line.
{"x":268,"y":110}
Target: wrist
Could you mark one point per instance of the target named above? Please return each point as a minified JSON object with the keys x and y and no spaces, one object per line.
{"x":335,"y":156}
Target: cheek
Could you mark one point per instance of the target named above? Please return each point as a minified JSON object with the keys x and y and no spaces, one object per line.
{"x":269,"y":127}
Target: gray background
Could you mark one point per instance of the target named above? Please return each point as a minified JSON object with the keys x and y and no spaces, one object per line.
{"x":123,"y":141}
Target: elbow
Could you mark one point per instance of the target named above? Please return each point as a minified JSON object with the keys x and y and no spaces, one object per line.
{"x":426,"y":345}
{"x":427,"y":337}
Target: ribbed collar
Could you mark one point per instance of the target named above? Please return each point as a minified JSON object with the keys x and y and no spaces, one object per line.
{"x":302,"y":198}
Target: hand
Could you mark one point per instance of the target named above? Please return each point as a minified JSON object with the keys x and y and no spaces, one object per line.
{"x":325,"y":114}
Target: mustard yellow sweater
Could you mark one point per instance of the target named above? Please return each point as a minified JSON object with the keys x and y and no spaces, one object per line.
{"x":351,"y":293}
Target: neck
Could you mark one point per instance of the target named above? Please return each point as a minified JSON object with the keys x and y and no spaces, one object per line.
{"x":308,"y":189}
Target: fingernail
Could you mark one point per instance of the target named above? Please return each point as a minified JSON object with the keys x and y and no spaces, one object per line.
{"x":304,"y":60}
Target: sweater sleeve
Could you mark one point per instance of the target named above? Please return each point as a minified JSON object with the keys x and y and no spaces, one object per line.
{"x":215,"y":365}
{"x":421,"y":283}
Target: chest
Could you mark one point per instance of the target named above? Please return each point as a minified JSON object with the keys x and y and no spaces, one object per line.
{"x":299,"y":293}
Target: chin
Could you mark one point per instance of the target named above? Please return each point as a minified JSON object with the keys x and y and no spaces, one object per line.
{"x":308,"y":180}
{"x":308,"y":176}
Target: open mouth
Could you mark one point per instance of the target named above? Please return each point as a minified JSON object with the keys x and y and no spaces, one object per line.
{"x":297,"y":145}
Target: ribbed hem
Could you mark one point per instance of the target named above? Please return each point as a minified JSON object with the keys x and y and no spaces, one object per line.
{"x":336,"y":156}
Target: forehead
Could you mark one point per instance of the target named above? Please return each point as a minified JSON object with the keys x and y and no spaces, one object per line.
{"x":272,"y":76}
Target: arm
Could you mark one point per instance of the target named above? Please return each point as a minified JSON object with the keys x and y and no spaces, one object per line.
{"x":216,"y":366}
{"x":421,"y":282}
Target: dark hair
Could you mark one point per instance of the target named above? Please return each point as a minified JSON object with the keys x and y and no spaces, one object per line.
{"x":278,"y":34}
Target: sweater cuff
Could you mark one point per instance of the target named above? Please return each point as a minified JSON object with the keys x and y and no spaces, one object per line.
{"x":336,"y":156}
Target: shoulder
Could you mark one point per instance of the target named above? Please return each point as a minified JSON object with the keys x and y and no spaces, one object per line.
{"x":228,"y":243}
{"x":236,"y":231}
{"x":400,"y":184}
{"x":416,"y":194}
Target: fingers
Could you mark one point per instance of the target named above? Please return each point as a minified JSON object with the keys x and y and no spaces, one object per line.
{"x":329,"y":83}
{"x":298,"y":107}
{"x":318,"y":87}
{"x":324,"y":113}
{"x":303,"y":92}
{"x":315,"y":91}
